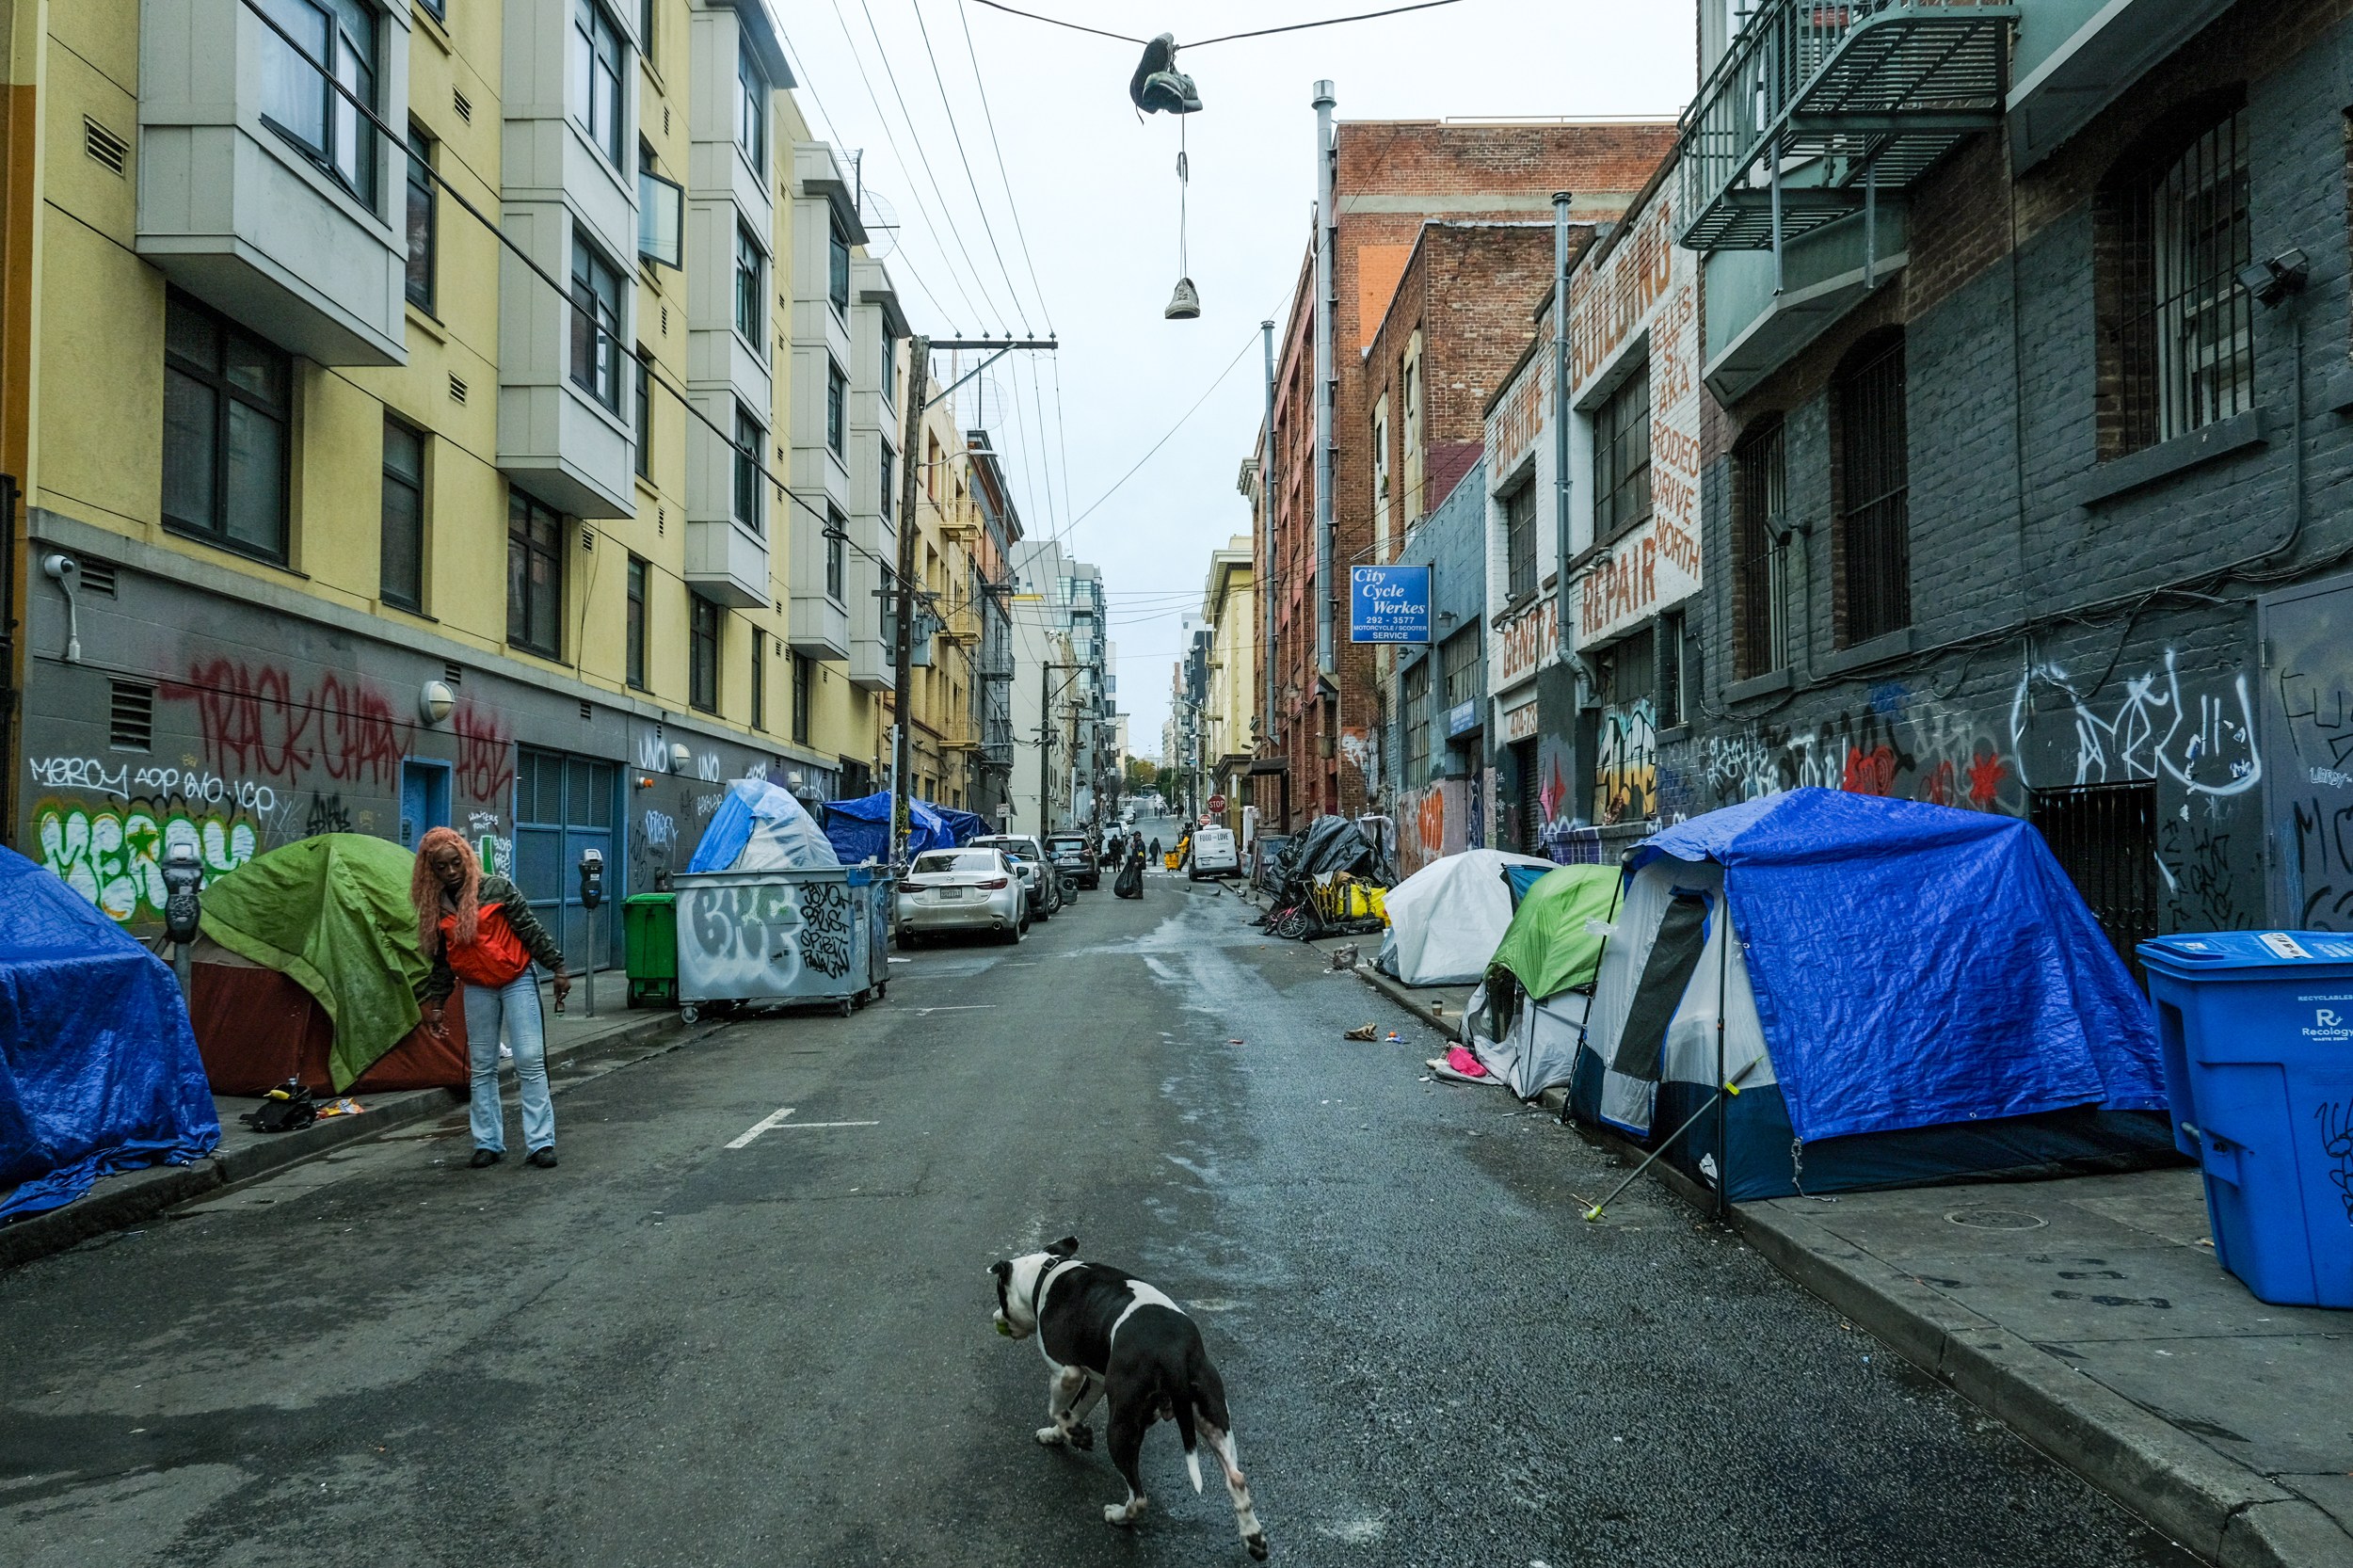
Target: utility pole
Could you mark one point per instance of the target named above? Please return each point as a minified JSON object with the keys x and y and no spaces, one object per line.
{"x":1560,"y":419}
{"x":902,"y":591}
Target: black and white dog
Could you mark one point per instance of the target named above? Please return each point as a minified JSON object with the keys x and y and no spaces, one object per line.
{"x":1103,"y":1332}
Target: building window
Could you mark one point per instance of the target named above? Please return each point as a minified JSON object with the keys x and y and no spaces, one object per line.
{"x":1630,"y":672}
{"x":836,"y":540}
{"x":1381,"y":479}
{"x":1416,"y":701}
{"x":1670,"y":685}
{"x":1622,"y":457}
{"x":749,"y":264}
{"x":804,"y":696}
{"x":647,"y":12}
{"x":226,"y":412}
{"x":931,"y":468}
{"x":751,"y":110}
{"x":702,"y":653}
{"x":596,"y":325}
{"x":403,"y":576}
{"x":597,"y":77}
{"x":1760,"y":508}
{"x":1458,"y":659}
{"x":888,"y":506}
{"x":2186,"y":340}
{"x":890,"y":370}
{"x":1874,"y":549}
{"x":641,"y":393}
{"x":535,"y":576}
{"x":1520,"y":540}
{"x":759,"y":678}
{"x":838,"y":267}
{"x":636,"y":630}
{"x":423,"y":223}
{"x":750,"y":438}
{"x":296,"y":100}
{"x":1409,"y":396}
{"x":836,"y":410}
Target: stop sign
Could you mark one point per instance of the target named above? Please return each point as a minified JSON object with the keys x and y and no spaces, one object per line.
{"x":1217,"y":804}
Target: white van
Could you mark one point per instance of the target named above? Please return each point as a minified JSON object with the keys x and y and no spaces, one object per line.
{"x":1213,"y":854}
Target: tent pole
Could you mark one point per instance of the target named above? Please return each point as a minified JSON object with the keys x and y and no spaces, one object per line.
{"x":1723,"y":1088}
{"x":1586,"y":1023}
{"x":1723,"y":971}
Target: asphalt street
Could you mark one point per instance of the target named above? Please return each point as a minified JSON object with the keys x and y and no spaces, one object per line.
{"x":701,"y":1343}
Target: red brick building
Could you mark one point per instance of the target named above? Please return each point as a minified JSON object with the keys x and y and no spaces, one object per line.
{"x":1491,"y":185}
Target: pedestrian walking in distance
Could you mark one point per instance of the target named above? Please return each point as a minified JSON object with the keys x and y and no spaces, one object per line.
{"x":478,"y":929}
{"x":1156,"y":850}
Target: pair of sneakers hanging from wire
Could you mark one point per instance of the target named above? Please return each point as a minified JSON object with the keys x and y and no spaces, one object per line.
{"x":1158,"y":88}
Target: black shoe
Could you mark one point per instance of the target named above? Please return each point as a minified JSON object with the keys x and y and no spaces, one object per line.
{"x":486,"y":1156}
{"x":544,"y":1159}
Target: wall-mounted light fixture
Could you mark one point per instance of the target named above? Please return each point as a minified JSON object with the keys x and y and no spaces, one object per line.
{"x":435,"y":700}
{"x":2273,"y":279}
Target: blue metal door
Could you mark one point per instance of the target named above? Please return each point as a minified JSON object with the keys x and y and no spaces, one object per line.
{"x":424,"y":800}
{"x":564,"y":805}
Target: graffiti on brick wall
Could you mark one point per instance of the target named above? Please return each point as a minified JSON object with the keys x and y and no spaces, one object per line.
{"x":486,"y":753}
{"x":2147,"y":727}
{"x":1892,"y":745}
{"x":1435,"y":822}
{"x":113,"y":856}
{"x":1625,"y":770}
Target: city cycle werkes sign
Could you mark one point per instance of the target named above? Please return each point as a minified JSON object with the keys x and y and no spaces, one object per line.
{"x":1388,"y":604}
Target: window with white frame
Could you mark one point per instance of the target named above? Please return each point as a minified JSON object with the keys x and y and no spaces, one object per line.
{"x":751,"y":109}
{"x":299,"y":101}
{"x":596,"y":77}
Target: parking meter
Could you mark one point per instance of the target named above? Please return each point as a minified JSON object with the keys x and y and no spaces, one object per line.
{"x":183,"y":875}
{"x":591,"y":895}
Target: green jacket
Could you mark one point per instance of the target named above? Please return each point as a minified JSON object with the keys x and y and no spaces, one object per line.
{"x":517,"y":913}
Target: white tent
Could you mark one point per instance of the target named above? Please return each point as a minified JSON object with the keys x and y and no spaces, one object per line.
{"x":1536,"y":1047}
{"x":1447,"y":917}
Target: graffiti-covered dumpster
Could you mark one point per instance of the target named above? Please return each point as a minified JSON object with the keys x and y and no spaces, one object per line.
{"x":817,"y":935}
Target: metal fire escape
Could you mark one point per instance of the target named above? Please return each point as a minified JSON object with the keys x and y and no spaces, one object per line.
{"x":1817,"y":109}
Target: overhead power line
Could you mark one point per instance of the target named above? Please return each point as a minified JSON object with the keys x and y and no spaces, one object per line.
{"x":1222,"y":37}
{"x":1171,"y":429}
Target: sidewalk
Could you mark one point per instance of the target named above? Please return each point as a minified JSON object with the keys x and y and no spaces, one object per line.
{"x":574,"y":1040}
{"x":2088,"y":1314}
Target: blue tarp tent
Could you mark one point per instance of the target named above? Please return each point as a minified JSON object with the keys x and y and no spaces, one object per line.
{"x":860,"y":829}
{"x":99,"y":1071}
{"x":759,"y":828}
{"x":1915,"y":993}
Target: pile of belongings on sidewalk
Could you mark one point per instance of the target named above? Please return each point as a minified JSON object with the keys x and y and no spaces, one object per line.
{"x":1902,"y":993}
{"x":859,"y":829}
{"x":99,"y":1070}
{"x":759,"y":828}
{"x":305,"y":971}
{"x":1335,"y":874}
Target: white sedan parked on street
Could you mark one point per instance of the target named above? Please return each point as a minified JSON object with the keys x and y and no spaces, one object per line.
{"x":961,"y":889}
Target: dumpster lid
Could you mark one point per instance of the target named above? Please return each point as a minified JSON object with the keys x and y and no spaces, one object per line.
{"x":2247,"y":949}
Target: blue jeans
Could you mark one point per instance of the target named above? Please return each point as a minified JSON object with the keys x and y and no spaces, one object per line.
{"x":515,"y":1004}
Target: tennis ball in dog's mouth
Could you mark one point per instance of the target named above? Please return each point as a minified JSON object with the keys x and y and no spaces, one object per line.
{"x":1005,"y":1328}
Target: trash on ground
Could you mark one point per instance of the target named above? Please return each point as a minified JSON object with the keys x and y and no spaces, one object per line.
{"x":1362,"y":1031}
{"x":342,"y":1106}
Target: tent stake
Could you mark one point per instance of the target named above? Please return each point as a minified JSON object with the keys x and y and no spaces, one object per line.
{"x":1732,"y":1087}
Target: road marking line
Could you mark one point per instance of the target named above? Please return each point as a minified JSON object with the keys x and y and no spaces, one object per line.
{"x":960,"y":1007}
{"x":832,"y":1124}
{"x":772,"y":1119}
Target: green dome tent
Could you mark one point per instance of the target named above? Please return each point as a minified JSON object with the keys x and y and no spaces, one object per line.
{"x":1526,"y":1018}
{"x":331,"y":913}
{"x":1547,"y":948}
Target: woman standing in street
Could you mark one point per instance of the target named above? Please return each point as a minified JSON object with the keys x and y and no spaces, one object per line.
{"x":478,"y":929}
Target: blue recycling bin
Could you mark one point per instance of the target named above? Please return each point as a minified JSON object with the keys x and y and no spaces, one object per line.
{"x":2257,"y":1031}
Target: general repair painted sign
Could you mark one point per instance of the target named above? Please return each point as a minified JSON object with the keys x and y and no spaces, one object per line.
{"x":1527,"y":640}
{"x":1388,"y":604}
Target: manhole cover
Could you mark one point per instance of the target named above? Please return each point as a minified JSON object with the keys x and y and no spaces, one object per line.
{"x":1997,"y":1219}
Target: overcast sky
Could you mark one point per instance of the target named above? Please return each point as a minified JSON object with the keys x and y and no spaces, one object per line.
{"x":1095,"y":197}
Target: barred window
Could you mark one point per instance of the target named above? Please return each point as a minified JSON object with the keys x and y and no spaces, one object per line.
{"x":1519,"y":539}
{"x":1875,"y":481}
{"x":1459,"y":655}
{"x":2186,"y":339}
{"x":1760,"y":508}
{"x":1622,"y":457}
{"x":1417,"y":716}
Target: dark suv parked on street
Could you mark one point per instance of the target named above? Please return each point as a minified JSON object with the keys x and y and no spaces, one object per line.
{"x":1075,"y":857}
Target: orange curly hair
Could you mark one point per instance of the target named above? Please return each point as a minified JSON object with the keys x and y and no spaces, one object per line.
{"x":425,"y":890}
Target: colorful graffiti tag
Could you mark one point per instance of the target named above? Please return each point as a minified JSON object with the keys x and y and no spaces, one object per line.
{"x":114,"y":857}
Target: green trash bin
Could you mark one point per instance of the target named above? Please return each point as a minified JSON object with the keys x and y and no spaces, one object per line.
{"x":650,"y":937}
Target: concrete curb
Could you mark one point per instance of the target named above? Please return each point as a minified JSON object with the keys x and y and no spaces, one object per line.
{"x":119,"y":1203}
{"x":2207,"y":1501}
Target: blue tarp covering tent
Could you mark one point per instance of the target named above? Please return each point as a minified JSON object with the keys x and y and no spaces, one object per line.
{"x":860,"y":829}
{"x":99,"y":1070}
{"x":1915,"y":993}
{"x":761,"y":828}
